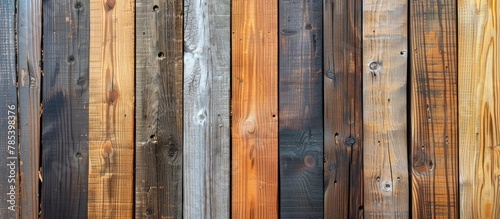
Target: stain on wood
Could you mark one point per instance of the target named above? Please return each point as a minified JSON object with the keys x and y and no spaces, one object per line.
{"x":64,"y":145}
{"x":29,"y":30}
{"x":301,"y":108}
{"x":206,"y":109}
{"x":478,"y":86}
{"x":9,"y":163}
{"x":255,"y":109}
{"x":385,"y":160}
{"x":434,"y":115}
{"x":111,"y":109}
{"x":159,"y":123}
{"x":343,"y":74}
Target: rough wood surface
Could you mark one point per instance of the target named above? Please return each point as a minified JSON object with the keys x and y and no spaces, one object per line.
{"x":343,"y":74}
{"x":434,"y":149}
{"x":9,"y":165}
{"x":29,"y":29}
{"x":301,"y":108}
{"x":158,"y":185}
{"x":206,"y":108}
{"x":254,"y":107}
{"x":64,"y":170}
{"x":386,"y":185}
{"x":111,"y":109}
{"x":478,"y":86}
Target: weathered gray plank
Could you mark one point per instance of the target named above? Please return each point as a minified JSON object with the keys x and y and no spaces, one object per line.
{"x":9,"y":183}
{"x":301,"y":108}
{"x":29,"y":77}
{"x":158,"y":109}
{"x":206,"y":108}
{"x":65,"y":109}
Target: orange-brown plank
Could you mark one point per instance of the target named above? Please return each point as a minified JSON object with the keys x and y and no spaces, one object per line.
{"x":255,"y":108}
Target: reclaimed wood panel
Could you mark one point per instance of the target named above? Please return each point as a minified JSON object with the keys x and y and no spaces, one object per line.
{"x":478,"y":66}
{"x":64,"y":119}
{"x":159,"y":124}
{"x":300,"y":108}
{"x":255,"y":109}
{"x":343,"y":167}
{"x":111,"y":109}
{"x":9,"y":166}
{"x":29,"y":29}
{"x":385,"y":160}
{"x":434,"y":124}
{"x":206,"y":108}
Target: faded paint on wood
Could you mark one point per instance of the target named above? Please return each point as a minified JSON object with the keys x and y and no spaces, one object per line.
{"x":254,"y":177}
{"x":158,"y":165}
{"x":111,"y":109}
{"x":343,"y":98}
{"x":386,"y":182}
{"x":64,"y":146}
{"x":29,"y":29}
{"x":206,"y":108}
{"x":301,"y":108}
{"x":478,"y":87}
{"x":9,"y":164}
{"x":434,"y":149}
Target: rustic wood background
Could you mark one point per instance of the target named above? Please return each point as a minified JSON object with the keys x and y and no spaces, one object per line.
{"x":249,"y":109}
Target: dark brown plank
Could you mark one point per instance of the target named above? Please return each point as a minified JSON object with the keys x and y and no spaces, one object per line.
{"x":9,"y":165}
{"x":29,"y":77}
{"x":65,"y":109}
{"x":301,"y":108}
{"x":159,"y":76}
{"x":343,"y":109}
{"x":434,"y":109}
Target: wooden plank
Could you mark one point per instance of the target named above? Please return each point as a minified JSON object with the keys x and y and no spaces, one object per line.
{"x":65,"y":108}
{"x":254,"y":107}
{"x":159,"y":109}
{"x":478,"y":64}
{"x":343,"y":109}
{"x":29,"y":29}
{"x":301,"y":108}
{"x":9,"y":167}
{"x":434,"y":149}
{"x":206,"y":108}
{"x":111,"y":109}
{"x":386,"y":182}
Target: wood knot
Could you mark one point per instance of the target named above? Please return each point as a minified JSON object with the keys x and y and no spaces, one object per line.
{"x":107,"y":149}
{"x":309,"y":161}
{"x":109,"y":5}
{"x":113,"y":96}
{"x":249,"y":126}
{"x":80,"y":81}
{"x":387,"y":186}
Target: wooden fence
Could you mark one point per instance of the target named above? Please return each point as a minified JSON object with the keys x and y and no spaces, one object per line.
{"x":249,"y":109}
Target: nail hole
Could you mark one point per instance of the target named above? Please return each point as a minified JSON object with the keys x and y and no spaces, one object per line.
{"x":156,"y":8}
{"x":78,"y":155}
{"x":378,"y":178}
{"x":71,"y":59}
{"x":161,"y":55}
{"x":78,"y":5}
{"x":274,"y":115}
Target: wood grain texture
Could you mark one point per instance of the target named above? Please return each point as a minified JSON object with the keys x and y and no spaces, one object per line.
{"x":206,"y":108}
{"x":111,"y":109}
{"x":254,"y":177}
{"x":300,"y":108}
{"x":9,"y":164}
{"x":65,"y":107}
{"x":159,"y":123}
{"x":386,"y":185}
{"x":434,"y":115}
{"x":343,"y":167}
{"x":29,"y":29}
{"x":478,"y":66}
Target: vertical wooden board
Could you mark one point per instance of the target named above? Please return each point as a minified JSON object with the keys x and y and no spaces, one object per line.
{"x":64,"y":145}
{"x":254,"y":177}
{"x":158,"y":120}
{"x":300,"y":108}
{"x":478,"y":66}
{"x":206,"y":108}
{"x":29,"y":29}
{"x":111,"y":109}
{"x":434,"y":149}
{"x":386,"y":185}
{"x":9,"y":177}
{"x":343,"y":109}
